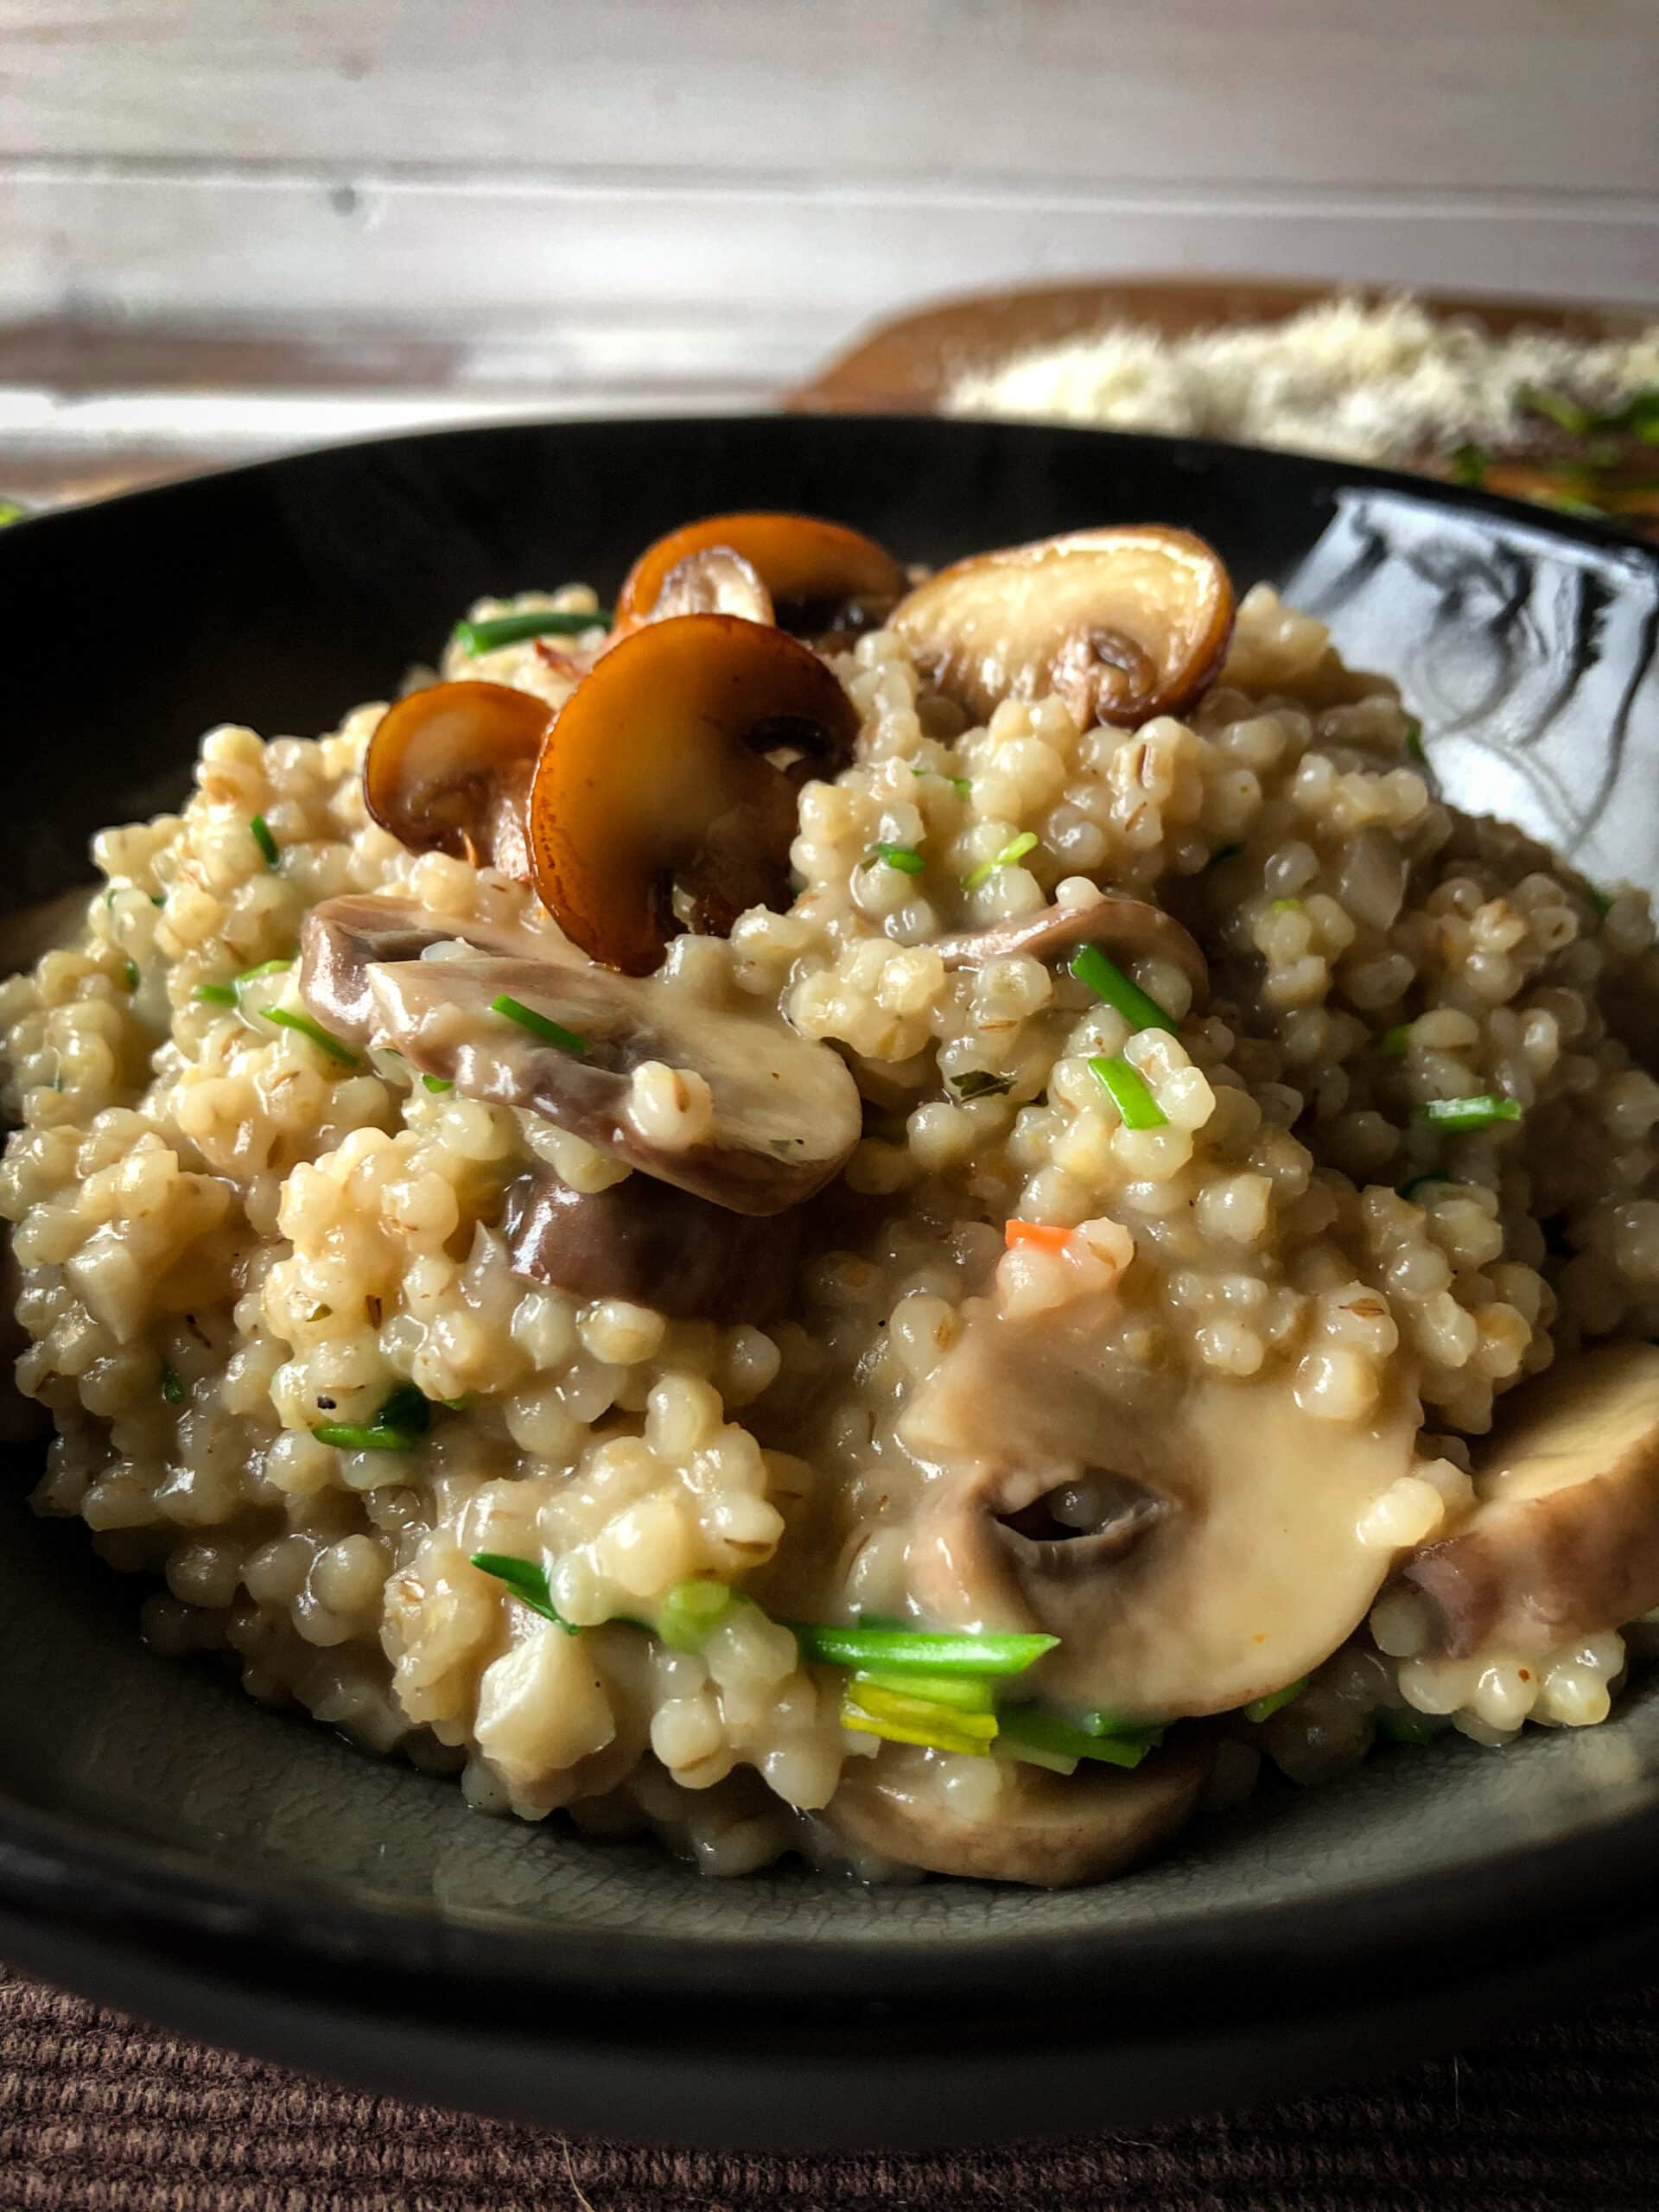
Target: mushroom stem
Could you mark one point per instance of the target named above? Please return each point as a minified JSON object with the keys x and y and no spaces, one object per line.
{"x":1118,"y":922}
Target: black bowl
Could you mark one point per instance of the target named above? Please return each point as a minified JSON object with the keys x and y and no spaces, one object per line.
{"x":167,"y":1845}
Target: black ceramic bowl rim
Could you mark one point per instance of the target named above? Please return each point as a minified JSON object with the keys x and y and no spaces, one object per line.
{"x":64,"y":1881}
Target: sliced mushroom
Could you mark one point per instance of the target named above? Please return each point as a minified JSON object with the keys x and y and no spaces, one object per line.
{"x":1115,"y":923}
{"x":785,"y":1113}
{"x":1564,"y":1540}
{"x":1223,"y":1560}
{"x":656,"y":778}
{"x":1048,"y":1830}
{"x":650,"y":1244}
{"x":449,"y":768}
{"x":714,"y":582}
{"x":1121,"y":624}
{"x":818,"y":574}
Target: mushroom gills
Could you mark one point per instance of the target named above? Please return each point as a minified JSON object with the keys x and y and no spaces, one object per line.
{"x":644,"y":1241}
{"x":1046,"y":1830}
{"x":783,"y":1112}
{"x":1224,"y":1559}
{"x":1564,"y":1538}
{"x":1121,"y":623}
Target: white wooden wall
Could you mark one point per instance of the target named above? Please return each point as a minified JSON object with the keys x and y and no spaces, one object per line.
{"x":335,"y":212}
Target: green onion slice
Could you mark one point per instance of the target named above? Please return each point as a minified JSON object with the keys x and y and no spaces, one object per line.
{"x":1090,"y":966}
{"x":540,"y":622}
{"x":1126,"y":1087}
{"x":528,"y":1583}
{"x":129,"y":974}
{"x":1555,"y":407}
{"x":319,"y":1037}
{"x":172,"y":1388}
{"x":1287,"y":906}
{"x":963,"y":785}
{"x":215,"y":993}
{"x":1263,"y":1708}
{"x":1479,"y":1112}
{"x":963,"y":1693}
{"x":438,"y":1082}
{"x":905,"y":858}
{"x":1415,"y":738}
{"x":888,"y":1650}
{"x":352,"y":1436}
{"x":1417,"y":1183}
{"x":1393,"y":1042}
{"x":539,"y":1025}
{"x":259,"y":830}
{"x":265,"y":968}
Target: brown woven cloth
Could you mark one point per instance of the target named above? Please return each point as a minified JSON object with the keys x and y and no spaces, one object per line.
{"x":99,"y":2113}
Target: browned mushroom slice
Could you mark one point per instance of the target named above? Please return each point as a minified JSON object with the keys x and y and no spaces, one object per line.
{"x":1048,"y":1830}
{"x":714,"y":581}
{"x":1122,"y":624}
{"x":781,"y":1114}
{"x":816,"y":573}
{"x":1192,"y":1539}
{"x":449,"y":768}
{"x":661,"y":776}
{"x":1564,"y":1540}
{"x":1115,"y":923}
{"x":652,"y":1245}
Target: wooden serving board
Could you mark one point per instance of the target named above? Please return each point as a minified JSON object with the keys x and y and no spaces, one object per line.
{"x":909,"y":365}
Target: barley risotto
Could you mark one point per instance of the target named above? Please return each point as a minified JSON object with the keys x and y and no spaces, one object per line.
{"x":912,"y":1219}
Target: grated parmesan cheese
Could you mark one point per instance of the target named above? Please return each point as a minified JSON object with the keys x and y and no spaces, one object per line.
{"x":1380,"y":383}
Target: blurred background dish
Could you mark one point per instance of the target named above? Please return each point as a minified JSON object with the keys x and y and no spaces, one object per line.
{"x":233,"y":229}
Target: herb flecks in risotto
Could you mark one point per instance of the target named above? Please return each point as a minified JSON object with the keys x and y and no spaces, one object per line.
{"x":904,"y":1220}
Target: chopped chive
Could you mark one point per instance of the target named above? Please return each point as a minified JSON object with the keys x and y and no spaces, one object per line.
{"x":935,"y":1728}
{"x":540,"y":622}
{"x":1554,"y":407}
{"x":314,"y":1030}
{"x":980,"y":1083}
{"x":1015,"y":849}
{"x":1263,"y":1708}
{"x":438,"y":1082}
{"x":539,"y":1025}
{"x":1107,"y":981}
{"x":964,"y":1692}
{"x":214,"y":994}
{"x":1223,"y":853}
{"x":1029,"y":1725}
{"x":265,"y":968}
{"x":1601,"y":900}
{"x":350,"y":1436}
{"x":458,"y":1405}
{"x":1479,"y":1112}
{"x":905,"y":858}
{"x":691,"y":1611}
{"x":963,"y":785}
{"x":129,"y":974}
{"x":1468,"y":465}
{"x":1415,"y":738}
{"x":1404,"y":1727}
{"x":12,"y":511}
{"x":1392,"y":1043}
{"x":903,"y":1717}
{"x":172,"y":1388}
{"x":1287,"y":906}
{"x":887,"y":1649}
{"x":1410,"y":1190}
{"x":1126,"y":1087}
{"x":259,"y":830}
{"x":528,"y":1584}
